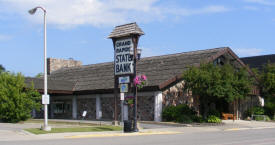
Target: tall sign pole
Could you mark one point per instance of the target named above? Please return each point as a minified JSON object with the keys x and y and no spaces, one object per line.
{"x":45,"y":97}
{"x":125,"y":41}
{"x":135,"y":40}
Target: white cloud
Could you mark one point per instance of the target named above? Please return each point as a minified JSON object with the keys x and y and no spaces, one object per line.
{"x":4,"y":37}
{"x":69,"y":13}
{"x":251,"y":8}
{"x":243,"y":52}
{"x":263,"y":2}
{"x":204,"y":10}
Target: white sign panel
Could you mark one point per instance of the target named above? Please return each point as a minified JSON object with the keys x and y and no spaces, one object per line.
{"x":84,"y":113}
{"x":123,"y":88}
{"x":121,"y":96}
{"x":124,"y":80}
{"x":45,"y":99}
{"x":123,"y":60}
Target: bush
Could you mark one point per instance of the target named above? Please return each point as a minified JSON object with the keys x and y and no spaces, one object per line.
{"x":255,"y":111}
{"x":16,"y":99}
{"x":198,"y":119}
{"x":214,"y":113}
{"x":184,"y":119}
{"x":262,"y":118}
{"x":181,"y":113}
{"x":258,"y":111}
{"x":170,"y":113}
{"x":213,"y":119}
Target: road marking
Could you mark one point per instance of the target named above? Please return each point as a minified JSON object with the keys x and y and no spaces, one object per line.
{"x":123,"y":134}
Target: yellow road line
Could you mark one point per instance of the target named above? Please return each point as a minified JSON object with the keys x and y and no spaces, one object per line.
{"x":122,"y":134}
{"x":232,"y":129}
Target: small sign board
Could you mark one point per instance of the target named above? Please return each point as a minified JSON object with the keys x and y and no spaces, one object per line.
{"x":124,"y":80}
{"x":123,"y":88}
{"x":45,"y":99}
{"x":121,"y":96}
{"x":84,"y":113}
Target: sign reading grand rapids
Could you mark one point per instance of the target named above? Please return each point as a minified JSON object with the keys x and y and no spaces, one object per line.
{"x":123,"y":59}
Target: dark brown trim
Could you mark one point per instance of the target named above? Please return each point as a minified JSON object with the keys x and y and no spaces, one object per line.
{"x":170,"y":81}
{"x":56,"y":91}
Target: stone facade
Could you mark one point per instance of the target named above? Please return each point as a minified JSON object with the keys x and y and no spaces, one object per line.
{"x":107,"y":106}
{"x":176,"y":95}
{"x":145,"y":108}
{"x":55,"y":64}
{"x":89,"y":105}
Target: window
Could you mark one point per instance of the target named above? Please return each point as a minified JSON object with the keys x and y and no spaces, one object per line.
{"x":61,"y":107}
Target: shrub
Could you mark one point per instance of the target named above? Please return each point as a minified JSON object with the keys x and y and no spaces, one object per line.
{"x":181,"y":113}
{"x":16,"y":99}
{"x":258,"y":111}
{"x":261,"y":118}
{"x":184,"y":119}
{"x":269,"y":108}
{"x":255,"y":111}
{"x":169,"y":113}
{"x":213,"y":119}
{"x":214,"y":113}
{"x":198,"y":119}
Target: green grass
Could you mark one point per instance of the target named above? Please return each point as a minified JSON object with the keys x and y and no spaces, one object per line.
{"x":75,"y":129}
{"x":59,"y":122}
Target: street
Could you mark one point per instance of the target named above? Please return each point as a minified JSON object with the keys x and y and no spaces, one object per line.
{"x":189,"y":136}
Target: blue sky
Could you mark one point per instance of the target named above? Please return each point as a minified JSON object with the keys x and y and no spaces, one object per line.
{"x":78,"y":29}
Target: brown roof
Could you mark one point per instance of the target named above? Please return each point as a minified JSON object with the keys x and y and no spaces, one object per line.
{"x":58,"y":86}
{"x":160,"y":70}
{"x":126,"y":30}
{"x":258,"y":61}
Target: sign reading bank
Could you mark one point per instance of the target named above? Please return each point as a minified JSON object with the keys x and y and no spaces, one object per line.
{"x":123,"y":59}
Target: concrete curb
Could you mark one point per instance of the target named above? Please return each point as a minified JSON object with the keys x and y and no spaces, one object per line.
{"x":124,"y":134}
{"x":182,"y":125}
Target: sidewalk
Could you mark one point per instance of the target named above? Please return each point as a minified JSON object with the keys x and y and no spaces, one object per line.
{"x":16,"y":132}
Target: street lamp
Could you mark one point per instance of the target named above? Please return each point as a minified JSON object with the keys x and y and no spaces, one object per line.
{"x":137,"y":55}
{"x":45,"y":97}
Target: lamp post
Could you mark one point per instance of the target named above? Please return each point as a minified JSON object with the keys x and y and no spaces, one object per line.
{"x":45,"y":97}
{"x":137,"y":54}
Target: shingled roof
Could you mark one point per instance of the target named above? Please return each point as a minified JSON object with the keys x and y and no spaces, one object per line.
{"x":126,"y":30}
{"x":160,"y":70}
{"x":258,"y":61}
{"x":54,"y":86}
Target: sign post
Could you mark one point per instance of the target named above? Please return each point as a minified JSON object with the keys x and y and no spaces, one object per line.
{"x":125,"y":40}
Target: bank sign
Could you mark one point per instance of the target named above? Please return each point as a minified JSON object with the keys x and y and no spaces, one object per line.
{"x":123,"y":60}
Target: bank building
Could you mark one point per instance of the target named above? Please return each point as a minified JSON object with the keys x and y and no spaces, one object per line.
{"x":75,"y":88}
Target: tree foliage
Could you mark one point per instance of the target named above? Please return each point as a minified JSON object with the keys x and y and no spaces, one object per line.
{"x":16,"y":99}
{"x":267,"y":78}
{"x":39,"y":75}
{"x":212,"y":81}
{"x":2,"y":69}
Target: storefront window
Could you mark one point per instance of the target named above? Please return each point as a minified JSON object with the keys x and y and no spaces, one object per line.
{"x":61,"y":107}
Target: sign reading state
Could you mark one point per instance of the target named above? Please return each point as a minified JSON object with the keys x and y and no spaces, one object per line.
{"x":123,"y":59}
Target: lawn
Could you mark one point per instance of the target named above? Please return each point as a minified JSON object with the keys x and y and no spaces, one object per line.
{"x":75,"y":129}
{"x":59,"y":122}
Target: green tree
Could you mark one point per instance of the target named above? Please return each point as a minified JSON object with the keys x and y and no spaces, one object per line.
{"x":267,"y":78}
{"x":2,"y":69}
{"x":39,"y":75}
{"x":16,"y":99}
{"x":212,"y":82}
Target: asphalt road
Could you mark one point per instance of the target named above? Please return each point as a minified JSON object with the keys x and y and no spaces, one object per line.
{"x":234,"y":137}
